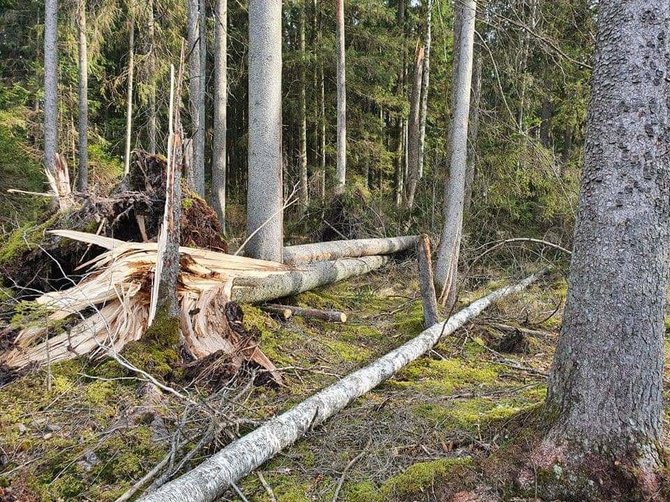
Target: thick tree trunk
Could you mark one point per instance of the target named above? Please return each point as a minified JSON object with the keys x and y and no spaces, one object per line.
{"x":220,"y":104}
{"x":414,"y":129}
{"x":304,"y":188}
{"x":425,"y":86}
{"x":454,"y":193}
{"x":607,"y":379}
{"x":82,"y":173}
{"x":473,"y":131}
{"x":196,"y":171}
{"x":309,"y":276}
{"x":129,"y":97}
{"x":265,"y":187}
{"x":50,"y":85}
{"x":341,"y":101}
{"x":211,"y":478}
{"x":426,"y":282}
{"x":333,"y":250}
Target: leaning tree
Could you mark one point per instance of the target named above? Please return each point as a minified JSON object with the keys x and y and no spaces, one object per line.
{"x":605,"y":391}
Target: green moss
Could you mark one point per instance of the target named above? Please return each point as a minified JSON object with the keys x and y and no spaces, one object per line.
{"x":421,"y":476}
{"x":364,"y":491}
{"x":320,"y":299}
{"x":24,"y":238}
{"x":445,"y":375}
{"x":156,"y":352}
{"x":409,"y":322}
{"x":348,"y":352}
{"x":186,"y":203}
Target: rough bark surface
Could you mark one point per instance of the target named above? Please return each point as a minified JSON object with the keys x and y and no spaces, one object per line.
{"x":129,"y":96}
{"x":304,"y":188}
{"x":196,"y":171}
{"x":333,"y":250}
{"x":220,"y":104}
{"x":82,"y":172}
{"x":454,"y":193}
{"x":414,"y":128}
{"x":426,"y":282}
{"x":210,"y":479}
{"x":341,"y":100}
{"x":473,"y":131}
{"x":606,"y":383}
{"x":425,"y":86}
{"x":50,"y":84}
{"x":308,"y":277}
{"x":265,"y":188}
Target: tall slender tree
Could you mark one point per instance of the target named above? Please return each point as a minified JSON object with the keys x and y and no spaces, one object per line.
{"x":82,"y":173}
{"x":129,"y":97}
{"x":414,"y":128}
{"x":196,"y":170}
{"x":50,"y":84}
{"x":153,"y":112}
{"x":265,"y":187}
{"x":341,"y":100}
{"x":454,"y":192}
{"x":605,"y":389}
{"x":219,"y":152}
{"x":425,"y":84}
{"x":304,"y":189}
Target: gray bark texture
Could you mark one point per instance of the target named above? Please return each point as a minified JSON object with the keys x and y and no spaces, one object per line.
{"x":333,"y":250}
{"x":211,"y":478}
{"x":196,"y":171}
{"x":606,"y":382}
{"x":341,"y":101}
{"x":129,"y":97}
{"x":308,"y":277}
{"x":426,"y":282}
{"x":153,"y":112}
{"x":454,"y":193}
{"x":82,"y":172}
{"x":473,"y":131}
{"x":425,"y":86}
{"x":50,"y":84}
{"x":220,"y":104}
{"x":304,"y":188}
{"x":265,"y":186}
{"x":414,"y":129}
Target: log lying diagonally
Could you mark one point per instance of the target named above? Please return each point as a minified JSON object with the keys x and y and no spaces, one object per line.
{"x":333,"y":250}
{"x":211,"y":478}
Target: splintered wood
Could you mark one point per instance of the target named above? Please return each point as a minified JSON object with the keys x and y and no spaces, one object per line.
{"x":109,"y":307}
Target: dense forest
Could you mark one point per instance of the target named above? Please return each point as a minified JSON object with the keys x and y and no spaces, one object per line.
{"x":356,"y":250}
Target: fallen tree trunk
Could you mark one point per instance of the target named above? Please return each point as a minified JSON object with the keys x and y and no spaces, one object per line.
{"x":211,"y":478}
{"x":323,"y":315}
{"x":313,"y":275}
{"x":333,"y":250}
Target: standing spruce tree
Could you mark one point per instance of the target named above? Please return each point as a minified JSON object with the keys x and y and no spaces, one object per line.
{"x":265,"y":221}
{"x":50,"y":84}
{"x":341,"y":100}
{"x":196,"y":54}
{"x":82,"y":173}
{"x":220,"y":105}
{"x":454,"y":193}
{"x":605,"y":390}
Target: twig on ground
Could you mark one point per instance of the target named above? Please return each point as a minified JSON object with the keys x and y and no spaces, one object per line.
{"x":347,"y":467}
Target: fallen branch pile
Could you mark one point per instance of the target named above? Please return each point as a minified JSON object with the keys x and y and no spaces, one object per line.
{"x":211,"y":478}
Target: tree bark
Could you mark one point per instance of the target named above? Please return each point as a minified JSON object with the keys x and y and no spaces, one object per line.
{"x":425,"y":86}
{"x":220,"y":104}
{"x":196,"y":171}
{"x":341,"y":101}
{"x":473,"y":131}
{"x":323,"y":315}
{"x":414,"y":128}
{"x":454,"y":193}
{"x":426,"y":282}
{"x":304,"y":188}
{"x":211,"y":478}
{"x":50,"y":85}
{"x":82,"y":173}
{"x":333,"y":250}
{"x":607,"y":378}
{"x":129,"y":97}
{"x":153,"y":112}
{"x":265,"y":187}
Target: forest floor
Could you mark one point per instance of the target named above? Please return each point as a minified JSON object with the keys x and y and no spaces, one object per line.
{"x":88,"y":430}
